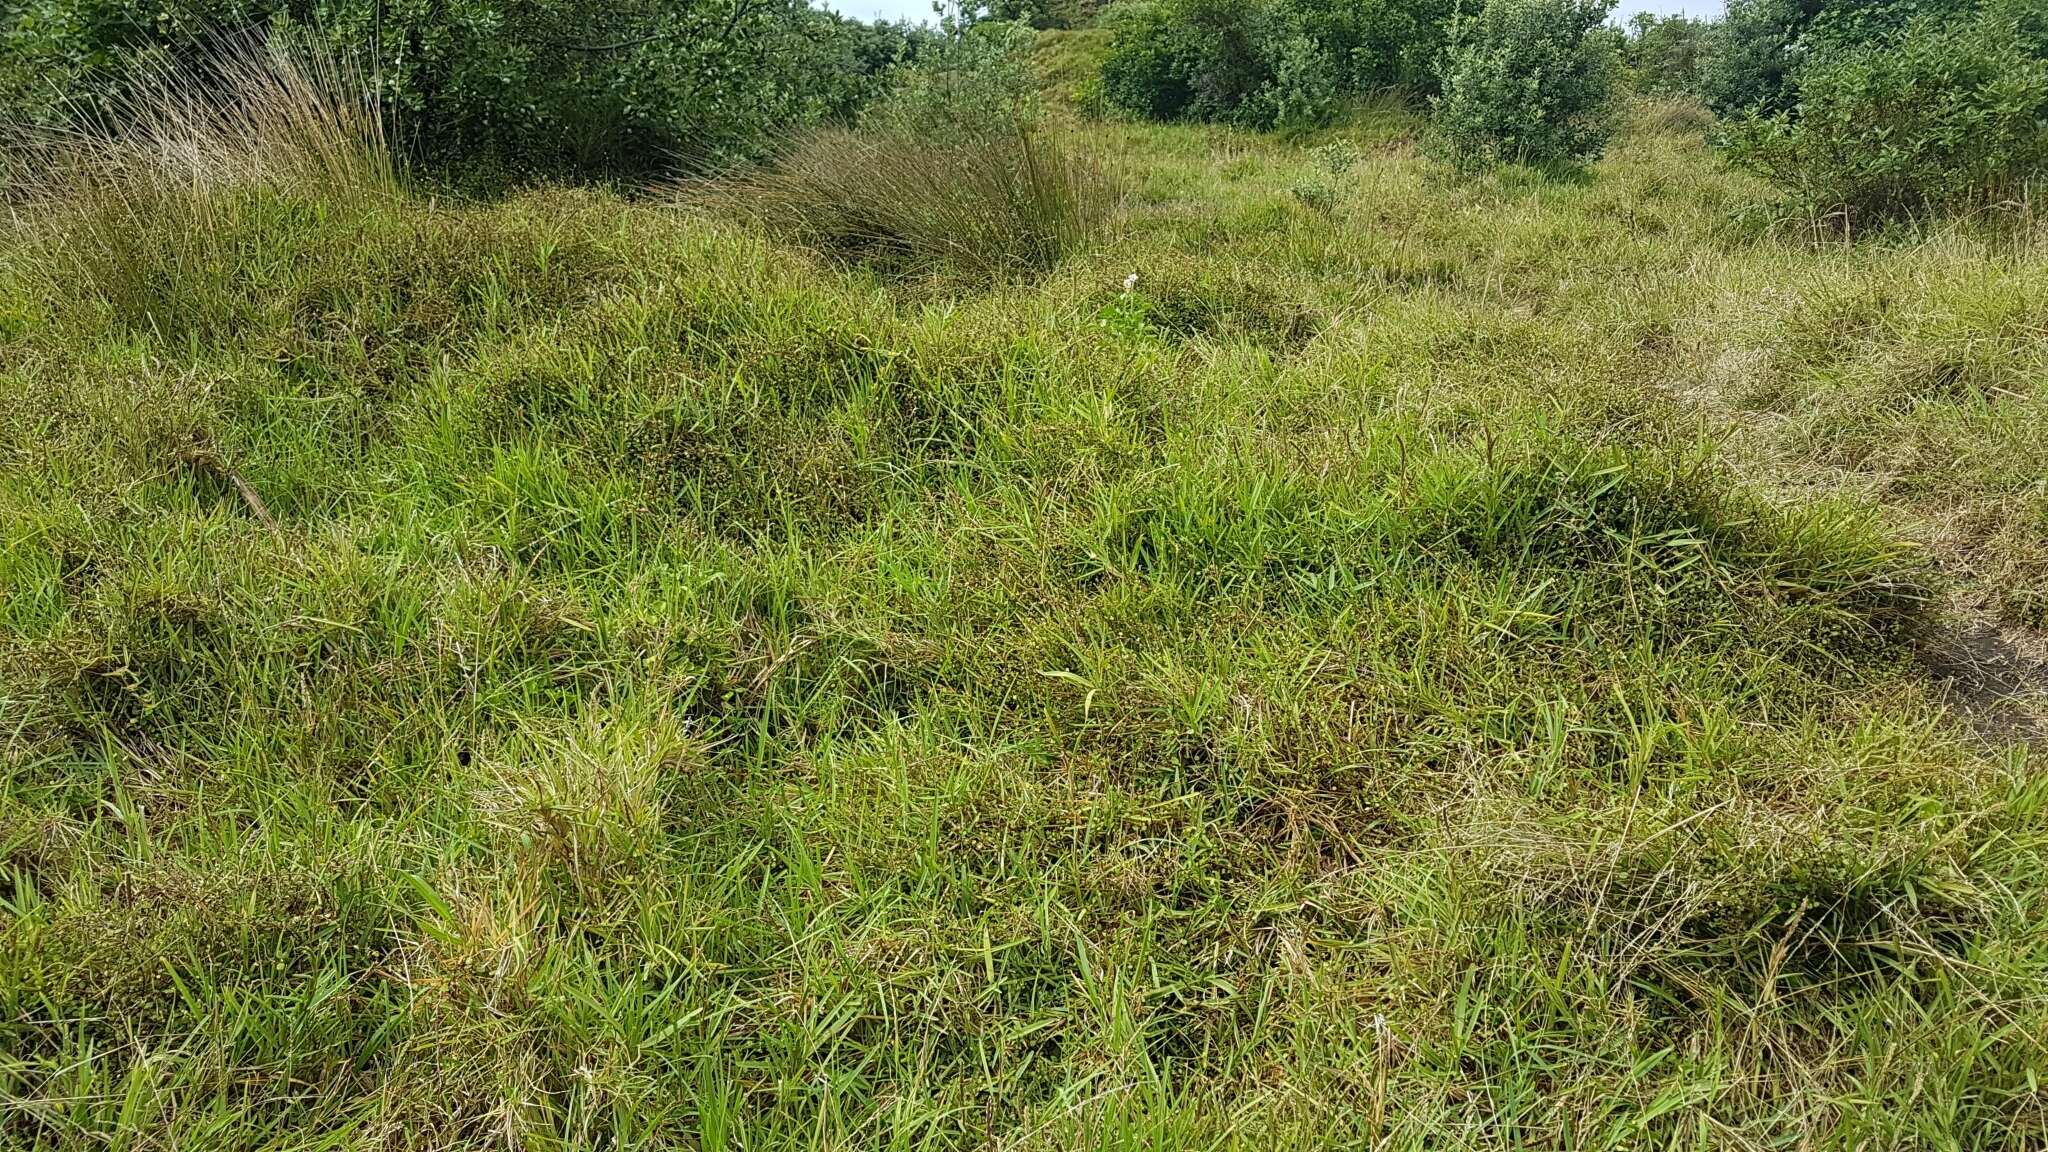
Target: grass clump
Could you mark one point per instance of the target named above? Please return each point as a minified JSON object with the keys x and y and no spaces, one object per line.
{"x":198,"y":161}
{"x":956,"y":171}
{"x":985,"y":206}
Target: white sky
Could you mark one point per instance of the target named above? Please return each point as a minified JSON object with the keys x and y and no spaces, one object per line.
{"x":922,"y":9}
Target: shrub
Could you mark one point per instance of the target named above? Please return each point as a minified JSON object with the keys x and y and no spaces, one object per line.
{"x":1751,"y":58}
{"x":518,"y":90}
{"x":976,"y":79}
{"x":1303,"y":91}
{"x":1194,"y":59}
{"x":1375,"y":44}
{"x":1042,"y":14}
{"x":1748,"y":55}
{"x":1527,"y":81}
{"x":1264,"y":63}
{"x":1664,"y":52}
{"x":1147,"y":70}
{"x":1943,"y":114}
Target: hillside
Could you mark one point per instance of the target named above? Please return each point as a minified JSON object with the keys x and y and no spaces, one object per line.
{"x":1508,"y":662}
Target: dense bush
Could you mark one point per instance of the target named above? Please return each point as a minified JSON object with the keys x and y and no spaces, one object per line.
{"x":1664,"y":52}
{"x":1527,"y":81}
{"x":971,"y":79}
{"x":1376,"y":44}
{"x":1750,"y":53}
{"x":1190,"y":59}
{"x":1751,"y":58}
{"x":1042,"y":13}
{"x":1940,"y":114}
{"x":1265,"y":63}
{"x":551,"y":86}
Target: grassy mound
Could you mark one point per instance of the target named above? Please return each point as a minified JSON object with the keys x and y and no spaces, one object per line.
{"x":568,"y":673}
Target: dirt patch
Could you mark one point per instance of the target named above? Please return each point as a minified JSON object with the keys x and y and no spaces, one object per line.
{"x":1994,"y":674}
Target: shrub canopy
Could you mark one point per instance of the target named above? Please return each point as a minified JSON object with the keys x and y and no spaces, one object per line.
{"x":1664,"y":52}
{"x":1943,"y":112}
{"x":1266,"y":63}
{"x":1527,"y":81}
{"x":494,"y":87}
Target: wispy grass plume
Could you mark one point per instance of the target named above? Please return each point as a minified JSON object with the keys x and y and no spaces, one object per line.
{"x":143,"y":195}
{"x":270,"y":109}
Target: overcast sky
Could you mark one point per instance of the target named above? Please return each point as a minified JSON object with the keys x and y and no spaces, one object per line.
{"x":922,"y":9}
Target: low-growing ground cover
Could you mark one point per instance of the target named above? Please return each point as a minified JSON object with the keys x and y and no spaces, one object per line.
{"x":1429,"y":663}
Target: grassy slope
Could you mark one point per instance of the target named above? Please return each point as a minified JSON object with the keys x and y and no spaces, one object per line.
{"x":1449,"y":668}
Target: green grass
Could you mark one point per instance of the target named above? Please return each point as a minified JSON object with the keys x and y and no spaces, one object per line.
{"x":1436,"y":665}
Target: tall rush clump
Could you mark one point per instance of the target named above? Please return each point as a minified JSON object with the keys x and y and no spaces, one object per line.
{"x":143,"y":204}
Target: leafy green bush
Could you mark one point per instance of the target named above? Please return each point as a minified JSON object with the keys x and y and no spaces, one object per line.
{"x":1527,"y":81}
{"x":1146,"y":71}
{"x":1303,"y":92}
{"x":1264,"y":63}
{"x":1751,"y":58}
{"x":1664,"y":52}
{"x":1749,"y":54}
{"x":1191,"y":59}
{"x":589,"y":86}
{"x":1375,"y":44}
{"x":1942,"y":114}
{"x":1040,"y":14}
{"x":972,"y":80}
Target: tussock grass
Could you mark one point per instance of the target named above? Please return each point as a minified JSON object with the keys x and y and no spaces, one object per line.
{"x":985,"y":204}
{"x":193,"y":162}
{"x":684,"y":692}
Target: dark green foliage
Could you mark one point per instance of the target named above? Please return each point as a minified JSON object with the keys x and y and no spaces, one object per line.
{"x":1148,"y":68}
{"x":1941,"y":113}
{"x":1751,"y":52}
{"x":1527,"y":81}
{"x":1753,"y":55}
{"x":1265,"y":63}
{"x":1192,"y":59}
{"x":1375,"y":44}
{"x":506,"y":90}
{"x":1043,"y":14}
{"x":1664,"y":53}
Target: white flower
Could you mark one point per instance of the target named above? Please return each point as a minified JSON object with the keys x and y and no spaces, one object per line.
{"x":1131,"y":282}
